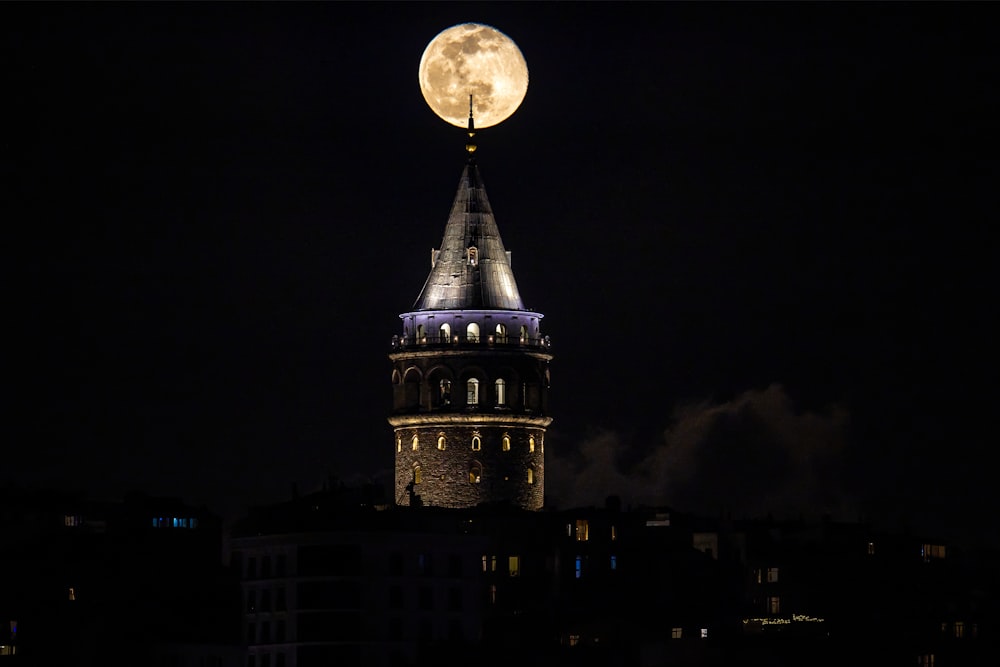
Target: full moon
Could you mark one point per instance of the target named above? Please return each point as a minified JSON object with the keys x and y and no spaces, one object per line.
{"x":478,"y":60}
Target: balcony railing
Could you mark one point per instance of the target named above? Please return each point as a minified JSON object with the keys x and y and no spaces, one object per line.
{"x":410,"y":342}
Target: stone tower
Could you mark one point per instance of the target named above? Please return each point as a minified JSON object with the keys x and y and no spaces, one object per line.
{"x":470,"y":372}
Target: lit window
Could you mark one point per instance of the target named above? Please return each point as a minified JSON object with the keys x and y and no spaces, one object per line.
{"x":774,"y":605}
{"x":71,"y":520}
{"x":501,"y":333}
{"x":477,"y":443}
{"x":473,"y":254}
{"x":531,"y":443}
{"x":444,"y":392}
{"x":574,"y":640}
{"x":578,"y":567}
{"x":676,"y":633}
{"x":569,"y":530}
{"x":531,"y":476}
{"x":614,"y":534}
{"x":614,"y":562}
{"x":472,"y":391}
{"x":929,"y":551}
{"x":524,"y":333}
{"x":959,"y":629}
{"x":472,"y":332}
{"x":484,"y":562}
{"x":772,"y":575}
{"x":501,"y":389}
{"x":475,"y":472}
{"x":704,"y":633}
{"x":415,"y":442}
{"x":445,"y":332}
{"x":441,"y":442}
{"x":399,"y":445}
{"x":416,"y":473}
{"x":493,"y":593}
{"x":582,"y":530}
{"x":71,"y":593}
{"x":514,"y":565}
{"x":871,"y":548}
{"x":505,"y":443}
{"x":925,"y":660}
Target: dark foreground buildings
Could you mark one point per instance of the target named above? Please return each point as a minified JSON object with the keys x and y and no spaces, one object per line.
{"x":463,"y":565}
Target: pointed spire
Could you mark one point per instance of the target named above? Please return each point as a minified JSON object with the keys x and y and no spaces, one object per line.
{"x":470,"y":144}
{"x":471,"y":270}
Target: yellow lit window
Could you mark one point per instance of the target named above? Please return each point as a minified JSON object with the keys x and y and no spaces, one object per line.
{"x":582,"y":530}
{"x":416,"y":473}
{"x":514,"y":565}
{"x":774,"y":605}
{"x":415,"y":442}
{"x":477,"y":443}
{"x":531,"y":476}
{"x":441,"y":442}
{"x":399,"y":444}
{"x":531,"y":444}
{"x":505,"y":446}
{"x":772,"y":575}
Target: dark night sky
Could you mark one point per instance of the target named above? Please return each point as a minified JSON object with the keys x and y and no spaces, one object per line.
{"x":759,"y":234}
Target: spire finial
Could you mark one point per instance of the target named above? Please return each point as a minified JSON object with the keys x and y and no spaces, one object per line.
{"x":470,"y":145}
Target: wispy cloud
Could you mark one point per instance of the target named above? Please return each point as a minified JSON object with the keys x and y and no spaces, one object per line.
{"x":753,"y":455}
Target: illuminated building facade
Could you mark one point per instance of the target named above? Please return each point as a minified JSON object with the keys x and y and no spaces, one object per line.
{"x":470,"y":372}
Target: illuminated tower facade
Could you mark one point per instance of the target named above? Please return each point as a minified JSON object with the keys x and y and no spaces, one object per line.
{"x":470,"y":372}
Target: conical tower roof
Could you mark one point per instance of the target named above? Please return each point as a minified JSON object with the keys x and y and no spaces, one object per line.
{"x":471,"y":270}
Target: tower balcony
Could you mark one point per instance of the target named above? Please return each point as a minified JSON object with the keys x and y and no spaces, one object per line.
{"x":400,"y":343}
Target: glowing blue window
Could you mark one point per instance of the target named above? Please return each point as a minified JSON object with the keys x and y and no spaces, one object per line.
{"x":614,"y":562}
{"x":579,"y":566}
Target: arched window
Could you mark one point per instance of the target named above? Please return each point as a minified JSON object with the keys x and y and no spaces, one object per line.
{"x":501,"y":333}
{"x":531,"y":475}
{"x":421,"y":334}
{"x":501,"y":388}
{"x":473,"y":254}
{"x":472,"y":332}
{"x":524,"y":334}
{"x":399,"y":444}
{"x":445,"y":332}
{"x":441,"y":442}
{"x":477,"y":443}
{"x":475,"y":472}
{"x":505,"y":443}
{"x":416,"y":472}
{"x":531,"y":443}
{"x":444,"y":392}
{"x":415,"y":442}
{"x":472,"y":391}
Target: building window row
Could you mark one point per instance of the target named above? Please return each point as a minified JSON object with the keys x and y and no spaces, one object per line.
{"x":264,"y":568}
{"x":263,"y":601}
{"x":174,"y":522}
{"x":476,"y":443}
{"x":473,"y":334}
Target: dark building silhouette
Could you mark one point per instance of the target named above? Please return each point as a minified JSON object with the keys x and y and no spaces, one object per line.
{"x":470,"y":372}
{"x":94,"y":582}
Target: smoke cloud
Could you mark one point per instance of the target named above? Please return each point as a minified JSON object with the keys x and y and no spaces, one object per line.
{"x":753,"y":456}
